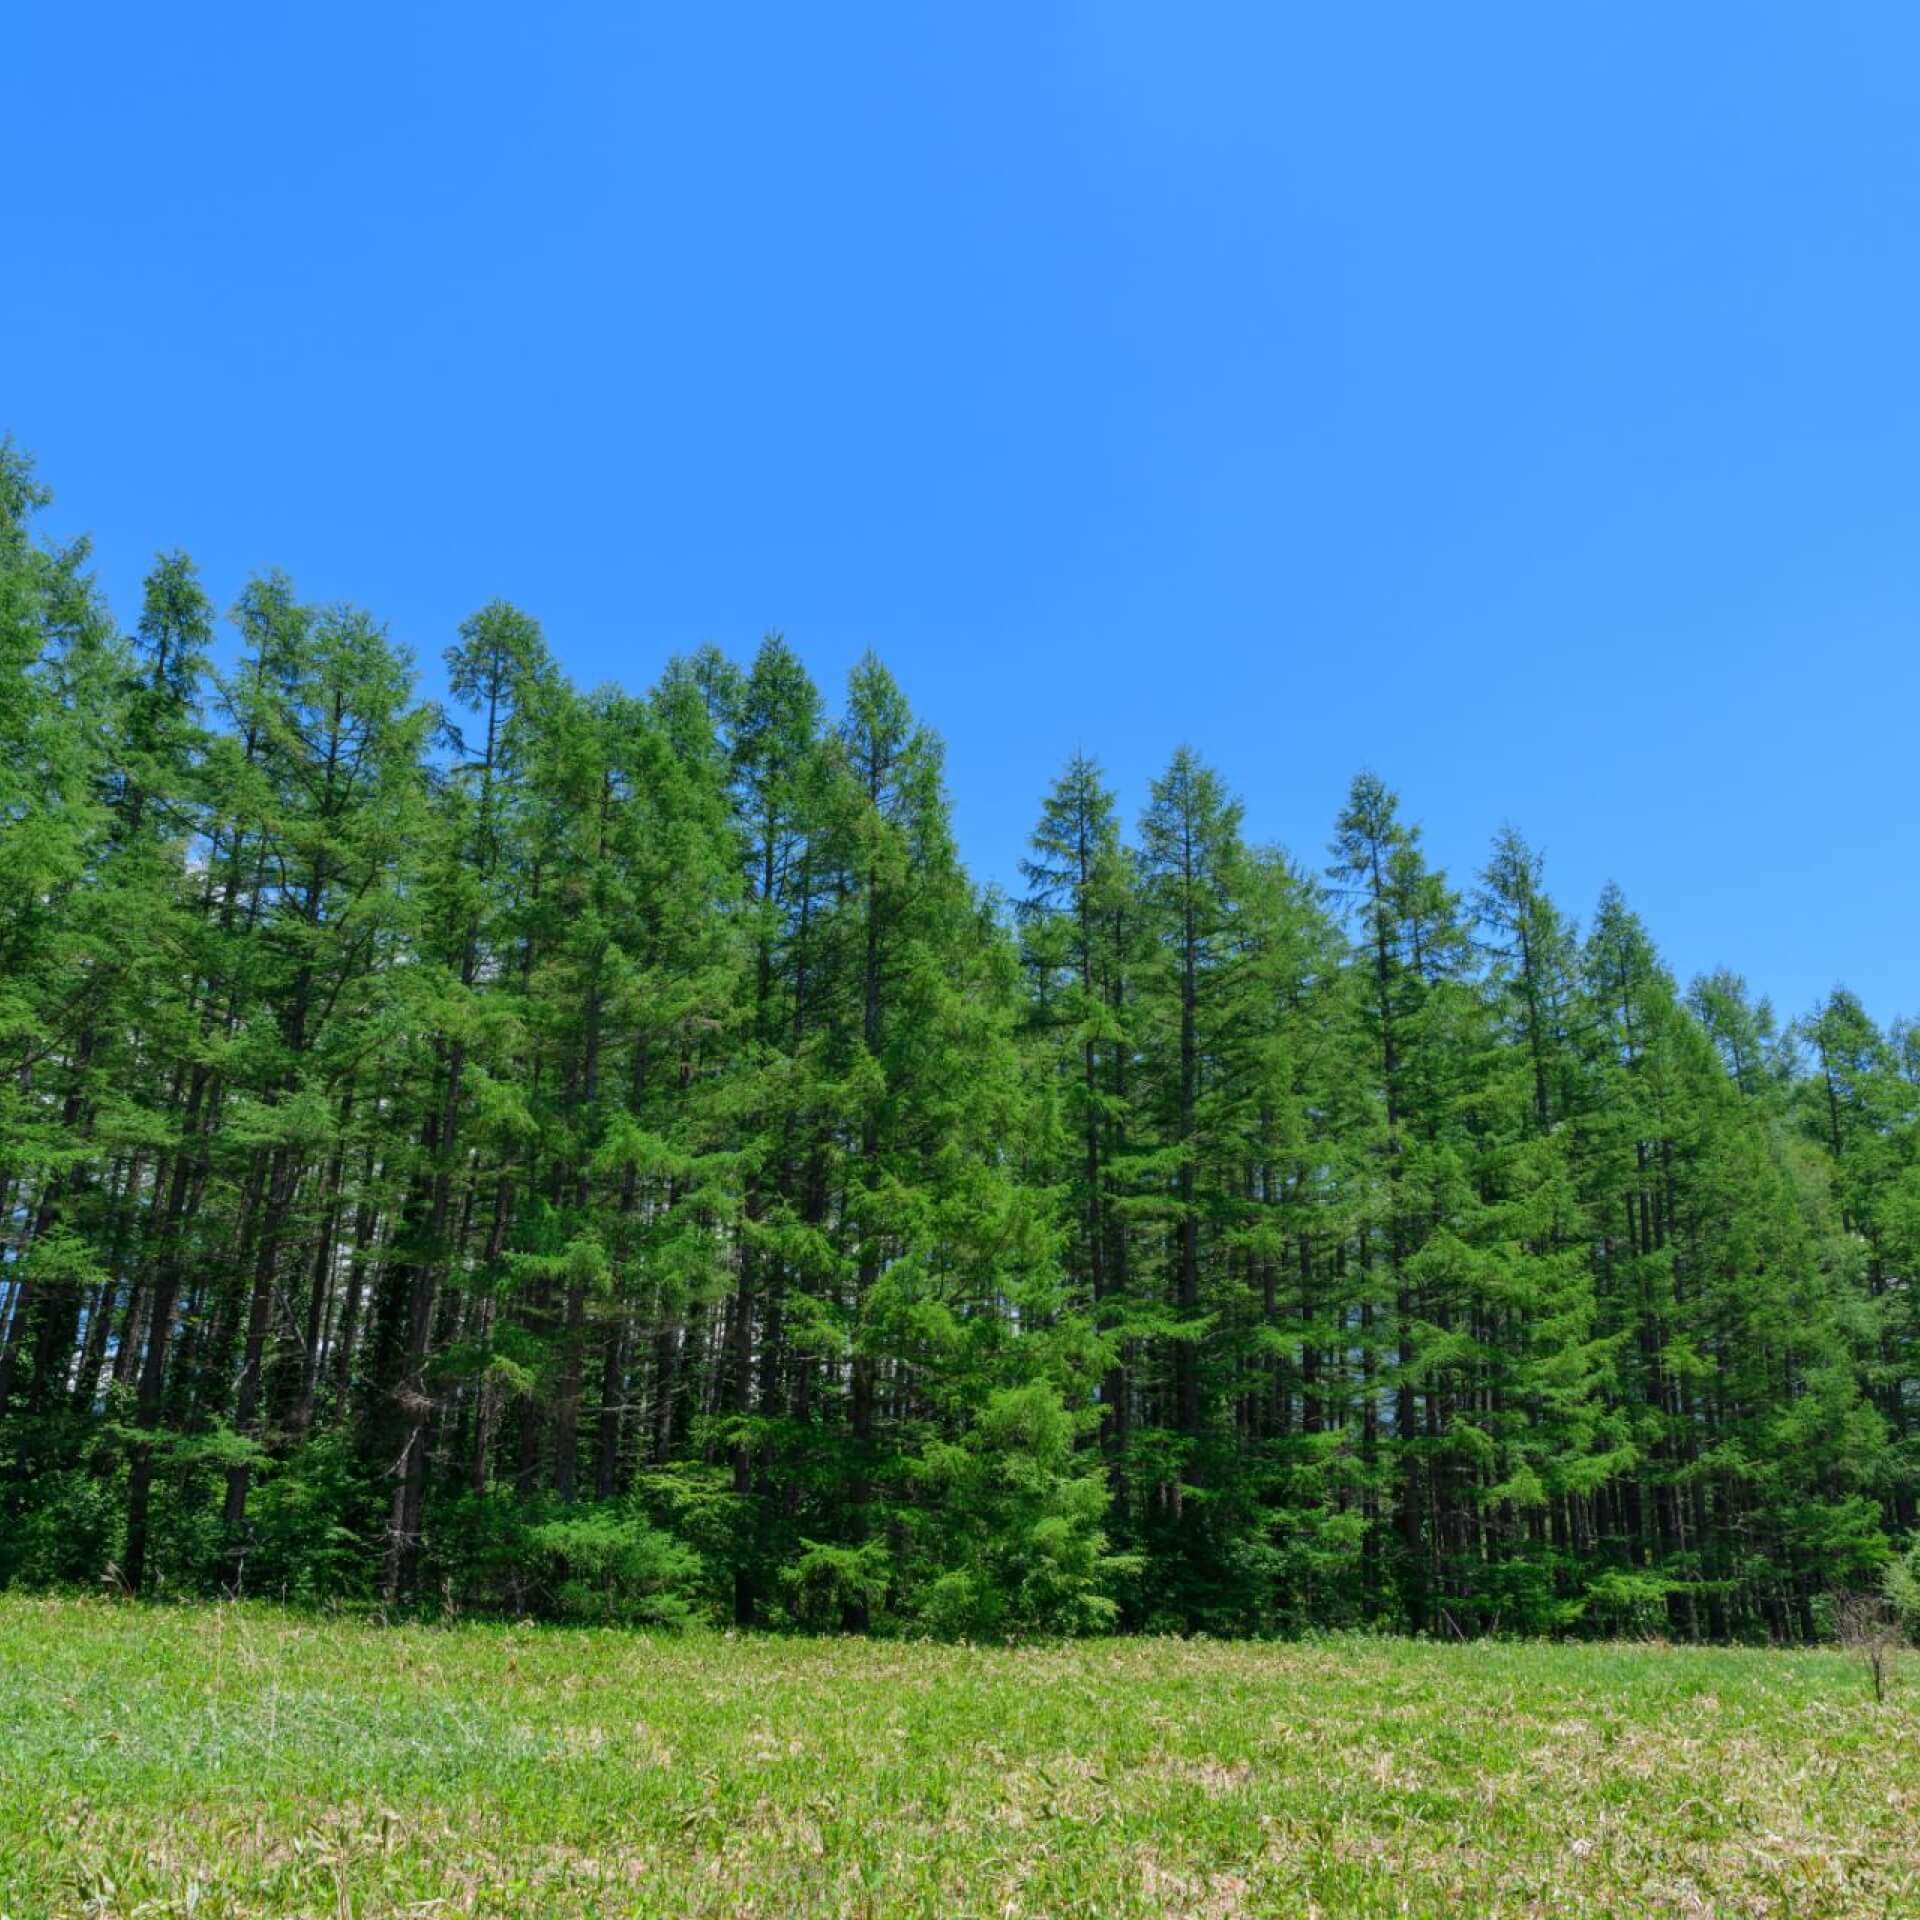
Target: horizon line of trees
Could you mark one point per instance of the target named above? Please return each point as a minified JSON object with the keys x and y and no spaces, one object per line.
{"x":598,"y":1155}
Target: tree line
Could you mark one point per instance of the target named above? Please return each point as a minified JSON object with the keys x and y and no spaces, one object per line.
{"x":598,"y":1155}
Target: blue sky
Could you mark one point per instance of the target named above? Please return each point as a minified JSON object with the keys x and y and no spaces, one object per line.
{"x":1518,"y":400}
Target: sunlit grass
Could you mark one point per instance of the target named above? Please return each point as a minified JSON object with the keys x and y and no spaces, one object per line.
{"x":231,"y":1761}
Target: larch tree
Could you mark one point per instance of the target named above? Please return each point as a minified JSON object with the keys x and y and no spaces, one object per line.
{"x":598,"y":1155}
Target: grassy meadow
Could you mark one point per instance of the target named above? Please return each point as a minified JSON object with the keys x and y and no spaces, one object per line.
{"x":230,"y":1761}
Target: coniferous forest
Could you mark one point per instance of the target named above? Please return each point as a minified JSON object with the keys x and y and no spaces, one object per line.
{"x":598,"y":1155}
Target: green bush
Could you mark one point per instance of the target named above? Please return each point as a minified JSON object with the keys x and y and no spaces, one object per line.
{"x":1901,"y":1584}
{"x":1018,"y":1544}
{"x":610,"y":1562}
{"x":596,"y":1560}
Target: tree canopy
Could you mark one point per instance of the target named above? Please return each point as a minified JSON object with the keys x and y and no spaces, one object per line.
{"x":598,"y":1154}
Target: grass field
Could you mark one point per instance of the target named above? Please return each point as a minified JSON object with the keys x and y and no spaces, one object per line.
{"x":229,"y":1761}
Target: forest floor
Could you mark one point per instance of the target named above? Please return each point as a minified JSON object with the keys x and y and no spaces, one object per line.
{"x":229,"y":1761}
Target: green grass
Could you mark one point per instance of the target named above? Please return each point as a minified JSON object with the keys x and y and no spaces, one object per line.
{"x":232,"y":1761}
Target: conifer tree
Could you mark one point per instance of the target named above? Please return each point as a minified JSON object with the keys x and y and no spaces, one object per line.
{"x":1080,"y":930}
{"x":599,"y":1156}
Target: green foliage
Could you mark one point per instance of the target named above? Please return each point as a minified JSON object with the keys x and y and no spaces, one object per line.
{"x":311,"y":1521}
{"x":599,"y":1156}
{"x":1901,"y":1584}
{"x":608,"y":1562}
{"x":1014,"y":1541}
{"x":601,"y":1561}
{"x":825,"y":1584}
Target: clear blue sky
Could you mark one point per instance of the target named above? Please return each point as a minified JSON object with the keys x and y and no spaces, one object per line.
{"x":1519,"y":400}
